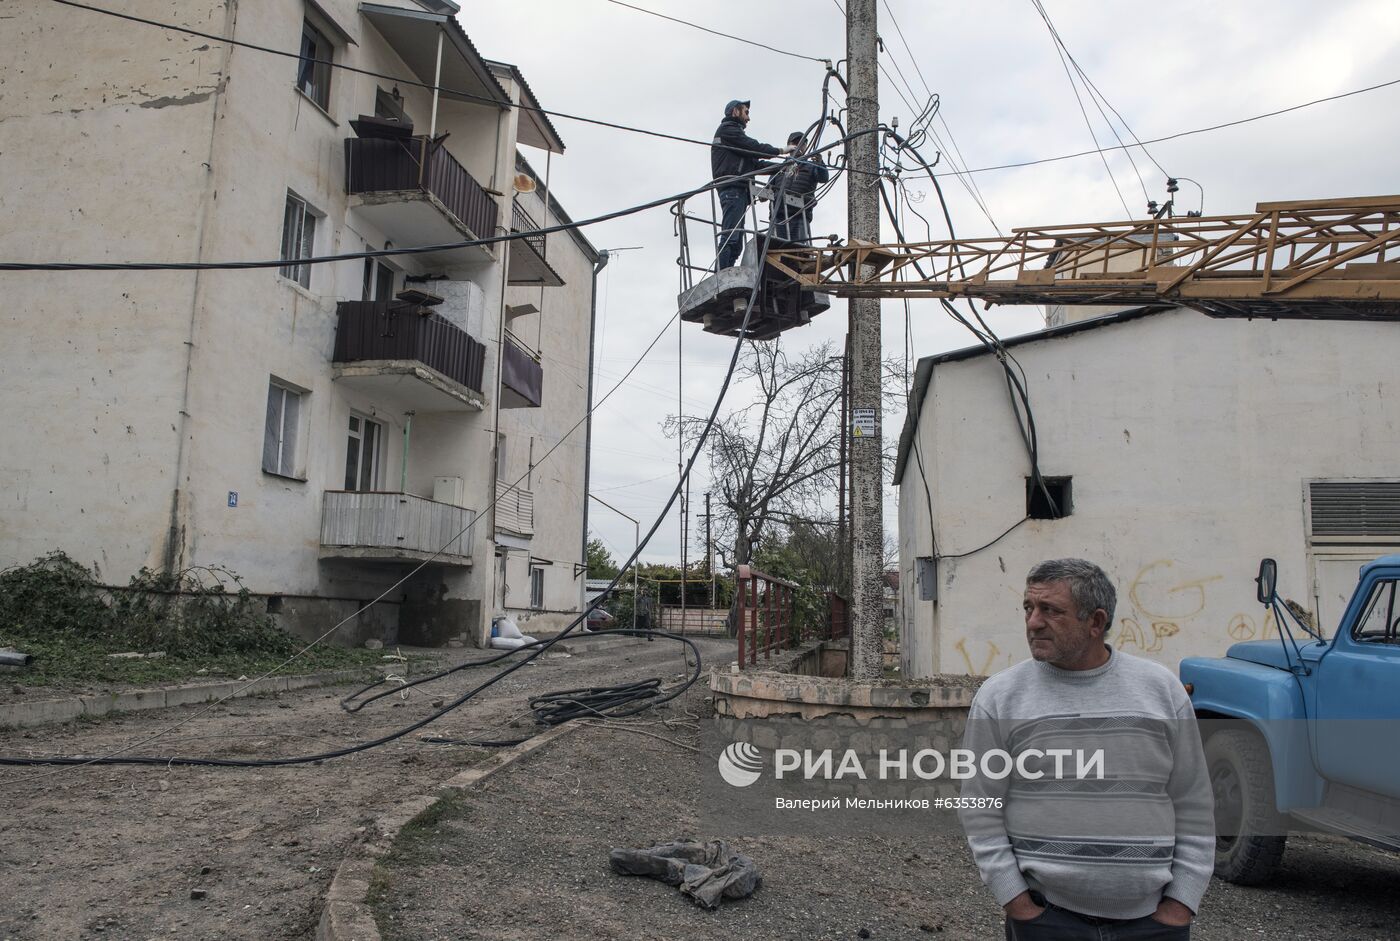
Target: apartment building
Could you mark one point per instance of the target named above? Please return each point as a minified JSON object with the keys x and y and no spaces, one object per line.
{"x":320,"y":429}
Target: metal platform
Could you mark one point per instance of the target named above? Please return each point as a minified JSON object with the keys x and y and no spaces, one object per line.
{"x":719,"y":300}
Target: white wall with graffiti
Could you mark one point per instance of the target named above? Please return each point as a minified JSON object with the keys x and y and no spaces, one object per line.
{"x":1192,"y":447}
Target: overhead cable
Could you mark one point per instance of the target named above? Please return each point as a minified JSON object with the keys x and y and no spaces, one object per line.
{"x":715,"y":32}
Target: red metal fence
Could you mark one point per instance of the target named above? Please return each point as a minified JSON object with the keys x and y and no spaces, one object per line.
{"x":838,"y":616}
{"x":764,"y":605}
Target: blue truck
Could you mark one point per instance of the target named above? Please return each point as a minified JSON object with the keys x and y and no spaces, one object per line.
{"x":1304,"y":735}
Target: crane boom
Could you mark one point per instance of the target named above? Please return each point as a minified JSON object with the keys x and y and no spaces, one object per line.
{"x":1301,"y":259}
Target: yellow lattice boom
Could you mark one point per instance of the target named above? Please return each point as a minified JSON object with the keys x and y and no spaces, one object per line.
{"x":1304,"y":258}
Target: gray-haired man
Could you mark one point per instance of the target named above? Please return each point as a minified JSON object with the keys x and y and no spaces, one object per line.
{"x":1126,"y":853}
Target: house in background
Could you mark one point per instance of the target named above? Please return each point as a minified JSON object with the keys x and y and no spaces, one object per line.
{"x":1179,"y":450}
{"x":319,"y":429}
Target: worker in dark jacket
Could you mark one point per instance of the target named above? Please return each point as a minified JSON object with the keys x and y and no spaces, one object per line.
{"x":800,"y":178}
{"x":733,"y":154}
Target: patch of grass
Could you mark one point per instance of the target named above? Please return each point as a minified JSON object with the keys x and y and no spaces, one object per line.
{"x":203,"y":619}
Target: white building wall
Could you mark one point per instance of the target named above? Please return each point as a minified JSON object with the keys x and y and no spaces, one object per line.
{"x":1190,"y":442}
{"x":145,"y":392}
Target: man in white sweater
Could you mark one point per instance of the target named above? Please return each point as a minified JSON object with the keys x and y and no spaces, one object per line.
{"x":1119,"y":848}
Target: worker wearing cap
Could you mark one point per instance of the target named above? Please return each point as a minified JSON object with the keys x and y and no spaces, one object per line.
{"x":803,"y":173}
{"x":734,"y":154}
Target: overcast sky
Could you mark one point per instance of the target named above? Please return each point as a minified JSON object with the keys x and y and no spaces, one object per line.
{"x":1166,"y":67}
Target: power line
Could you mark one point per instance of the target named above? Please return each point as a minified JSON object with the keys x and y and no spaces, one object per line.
{"x":1180,"y":134}
{"x":1063,"y":51}
{"x":458,"y":92}
{"x":715,"y":32}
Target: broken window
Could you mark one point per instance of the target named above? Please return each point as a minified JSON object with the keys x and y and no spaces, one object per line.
{"x":298,"y":239}
{"x":1049,"y":502}
{"x":280,"y":430}
{"x":314,"y":67}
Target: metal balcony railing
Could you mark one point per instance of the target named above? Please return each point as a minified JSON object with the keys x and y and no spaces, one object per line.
{"x":393,"y":330}
{"x":521,"y":374}
{"x":378,"y":521}
{"x":522,"y":221}
{"x":375,"y":165}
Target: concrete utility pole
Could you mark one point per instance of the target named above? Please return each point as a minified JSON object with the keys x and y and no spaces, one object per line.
{"x":863,"y":208}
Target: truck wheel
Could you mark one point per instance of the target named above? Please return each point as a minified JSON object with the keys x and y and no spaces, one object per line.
{"x":1249,"y":841}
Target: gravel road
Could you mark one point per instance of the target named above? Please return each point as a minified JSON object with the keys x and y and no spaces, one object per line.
{"x":526,"y":859}
{"x":126,"y":852}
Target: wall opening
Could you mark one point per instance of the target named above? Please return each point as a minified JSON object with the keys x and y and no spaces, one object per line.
{"x":1060,"y":501}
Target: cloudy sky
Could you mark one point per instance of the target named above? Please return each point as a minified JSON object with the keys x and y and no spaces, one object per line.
{"x":1165,"y":67}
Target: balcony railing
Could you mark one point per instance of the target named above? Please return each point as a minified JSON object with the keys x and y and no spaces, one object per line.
{"x":376,"y":524}
{"x":392,"y":330}
{"x":515,"y":510}
{"x":522,"y":221}
{"x":374,"y":165}
{"x":522,"y":376}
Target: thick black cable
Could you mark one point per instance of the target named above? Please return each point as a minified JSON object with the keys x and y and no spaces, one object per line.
{"x":388,"y":252}
{"x":540,"y":646}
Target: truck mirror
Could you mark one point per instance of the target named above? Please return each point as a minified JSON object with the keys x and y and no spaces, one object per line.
{"x":1267,"y":580}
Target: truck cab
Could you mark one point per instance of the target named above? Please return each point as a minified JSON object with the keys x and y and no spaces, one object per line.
{"x":1304,"y":734}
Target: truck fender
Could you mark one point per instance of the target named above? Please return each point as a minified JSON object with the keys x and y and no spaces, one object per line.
{"x":1231,"y":693}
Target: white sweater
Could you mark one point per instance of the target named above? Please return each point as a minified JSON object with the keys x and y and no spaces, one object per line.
{"x":1109,"y":846}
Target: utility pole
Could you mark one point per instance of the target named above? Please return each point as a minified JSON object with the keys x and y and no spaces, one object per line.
{"x":709,"y":550}
{"x":863,"y":216}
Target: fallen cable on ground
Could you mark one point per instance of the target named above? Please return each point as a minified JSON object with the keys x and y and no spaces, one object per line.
{"x":706,"y":872}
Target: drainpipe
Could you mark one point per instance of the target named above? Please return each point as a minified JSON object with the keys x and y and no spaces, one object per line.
{"x":598,"y":266}
{"x":403,"y":470}
{"x":437,"y":82}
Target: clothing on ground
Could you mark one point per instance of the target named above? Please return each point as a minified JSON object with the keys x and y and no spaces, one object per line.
{"x":707,"y":872}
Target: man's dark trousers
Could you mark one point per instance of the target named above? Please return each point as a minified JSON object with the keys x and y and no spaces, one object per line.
{"x":733,"y":202}
{"x":1061,"y":924}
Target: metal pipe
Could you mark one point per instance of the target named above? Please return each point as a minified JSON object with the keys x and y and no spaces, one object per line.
{"x":598,"y":266}
{"x":403,"y":468}
{"x":437,"y":81}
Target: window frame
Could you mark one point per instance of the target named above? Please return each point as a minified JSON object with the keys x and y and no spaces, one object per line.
{"x":286,"y":457}
{"x":314,"y":70}
{"x":1389,"y":588}
{"x":298,"y":239}
{"x":536,"y":588}
{"x":358,"y":439}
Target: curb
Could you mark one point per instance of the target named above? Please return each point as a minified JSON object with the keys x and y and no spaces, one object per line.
{"x":347,"y":915}
{"x":23,"y":715}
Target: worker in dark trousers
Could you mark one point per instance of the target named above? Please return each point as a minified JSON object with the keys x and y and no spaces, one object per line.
{"x":733,"y":154}
{"x":800,"y":178}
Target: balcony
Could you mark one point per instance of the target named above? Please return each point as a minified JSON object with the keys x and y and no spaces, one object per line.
{"x":522,"y":376}
{"x":515,"y":511}
{"x":417,"y":193}
{"x":527,"y":256}
{"x":382,"y":526}
{"x":389,"y":350}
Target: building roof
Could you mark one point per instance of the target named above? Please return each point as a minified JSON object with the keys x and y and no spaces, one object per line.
{"x":535,"y":128}
{"x":413,"y":34}
{"x":924,"y":371}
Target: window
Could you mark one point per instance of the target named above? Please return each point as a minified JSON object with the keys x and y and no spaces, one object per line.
{"x":536,"y":588}
{"x":314,"y":70}
{"x":298,"y":239}
{"x":379,"y":281}
{"x":1378,"y":624}
{"x":1051,"y":502}
{"x":280,"y":430}
{"x":362,"y":451}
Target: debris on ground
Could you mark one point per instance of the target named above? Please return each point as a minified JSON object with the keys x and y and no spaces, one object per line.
{"x":707,"y":872}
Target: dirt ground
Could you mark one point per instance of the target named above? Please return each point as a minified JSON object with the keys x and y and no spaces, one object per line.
{"x":122,"y":852}
{"x":525,"y":858}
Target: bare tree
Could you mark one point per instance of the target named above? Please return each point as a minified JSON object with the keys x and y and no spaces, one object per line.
{"x":775,"y":459}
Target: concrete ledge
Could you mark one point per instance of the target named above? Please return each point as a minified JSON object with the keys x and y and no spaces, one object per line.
{"x":347,"y":915}
{"x":757,"y":694}
{"x":23,"y":715}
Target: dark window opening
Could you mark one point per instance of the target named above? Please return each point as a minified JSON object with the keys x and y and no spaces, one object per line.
{"x":314,"y":67}
{"x":1051,"y":502}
